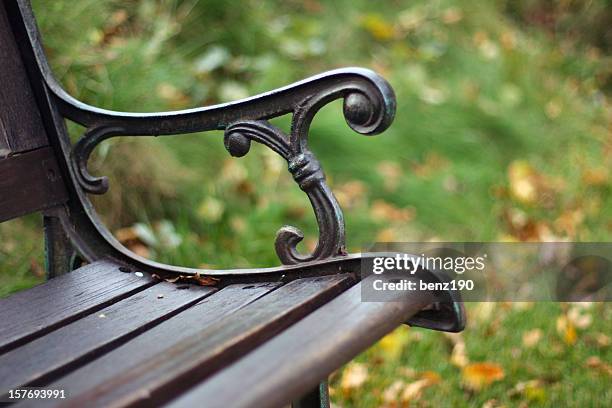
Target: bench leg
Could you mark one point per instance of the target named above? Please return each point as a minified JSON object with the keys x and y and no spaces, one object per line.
{"x":58,"y":249}
{"x":315,"y":398}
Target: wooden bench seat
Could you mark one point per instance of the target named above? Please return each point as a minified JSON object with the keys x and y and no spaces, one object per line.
{"x":132,"y":339}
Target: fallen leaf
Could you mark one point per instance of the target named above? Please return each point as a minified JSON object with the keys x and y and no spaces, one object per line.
{"x":350,"y":194}
{"x":197,"y":278}
{"x":523,"y":228}
{"x":408,"y":372}
{"x":172,"y":95}
{"x":452,"y":15}
{"x":205,"y":280}
{"x":579,"y":317}
{"x":522,"y":178}
{"x":434,"y":162}
{"x":492,"y":403}
{"x":598,"y":176}
{"x":596,"y":363}
{"x":459,"y":356}
{"x":354,"y":376}
{"x":553,"y":109}
{"x":508,"y":40}
{"x":532,"y":390}
{"x":394,"y":343}
{"x":36,"y":269}
{"x":124,"y":235}
{"x":211,"y":209}
{"x":569,"y":221}
{"x":139,"y":249}
{"x":376,"y":25}
{"x":414,"y":390}
{"x":432,"y":376}
{"x":477,"y":376}
{"x":602,"y":340}
{"x":386,"y":235}
{"x":233,"y":171}
{"x":391,"y":173}
{"x":391,"y":393}
{"x":567,"y":330}
{"x":532,"y":337}
{"x":383,"y":211}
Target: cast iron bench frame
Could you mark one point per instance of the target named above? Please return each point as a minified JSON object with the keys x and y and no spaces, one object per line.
{"x":314,"y":312}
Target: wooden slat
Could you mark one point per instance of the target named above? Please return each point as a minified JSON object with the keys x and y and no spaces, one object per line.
{"x":37,"y":311}
{"x":189,"y":361}
{"x":21,"y":127}
{"x":44,"y":359}
{"x":30,"y":182}
{"x":296,"y":360}
{"x":155,"y":341}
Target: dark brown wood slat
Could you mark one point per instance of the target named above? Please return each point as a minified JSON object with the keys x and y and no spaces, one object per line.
{"x":189,"y":361}
{"x":147,"y":345}
{"x":21,"y":127}
{"x":293,"y":362}
{"x":37,"y":311}
{"x":60,"y":351}
{"x":30,"y":182}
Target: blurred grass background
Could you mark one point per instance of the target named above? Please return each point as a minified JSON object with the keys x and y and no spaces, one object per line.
{"x":503,"y":132}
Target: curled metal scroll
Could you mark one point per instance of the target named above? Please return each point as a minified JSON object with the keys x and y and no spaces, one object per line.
{"x":369,"y":107}
{"x":362,"y":112}
{"x":307,"y":172}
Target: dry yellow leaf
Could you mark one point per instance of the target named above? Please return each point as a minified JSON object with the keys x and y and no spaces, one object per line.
{"x":567,"y":330}
{"x":596,"y":176}
{"x":413,"y":390}
{"x":569,"y":221}
{"x":383,"y":211}
{"x":522,"y":178}
{"x":380,"y":29}
{"x":393,"y":343}
{"x":391,"y":393}
{"x":532,"y":337}
{"x":459,"y":356}
{"x":476,"y":376}
{"x":432,"y":376}
{"x":354,"y":376}
{"x":531,"y":390}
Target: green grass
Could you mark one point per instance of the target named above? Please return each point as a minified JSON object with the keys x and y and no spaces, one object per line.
{"x":480,"y":93}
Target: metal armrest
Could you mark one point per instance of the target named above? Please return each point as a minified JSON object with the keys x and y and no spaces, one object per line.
{"x":369,"y":108}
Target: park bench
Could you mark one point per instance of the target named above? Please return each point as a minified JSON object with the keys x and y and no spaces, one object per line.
{"x":114,"y":329}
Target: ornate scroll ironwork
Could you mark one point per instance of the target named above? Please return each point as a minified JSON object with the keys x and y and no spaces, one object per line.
{"x":369,"y":106}
{"x":307,"y":172}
